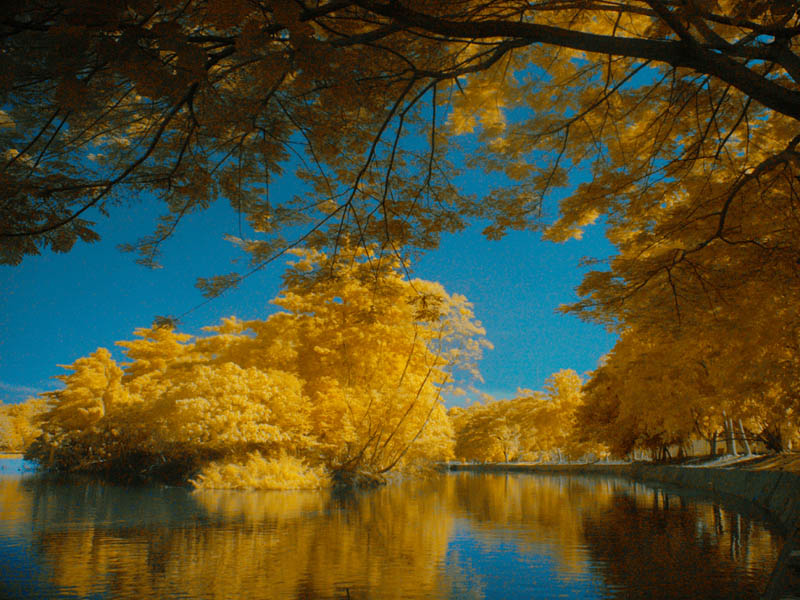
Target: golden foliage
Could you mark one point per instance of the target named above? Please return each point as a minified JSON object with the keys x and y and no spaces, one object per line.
{"x":663,"y":386}
{"x":19,"y":425}
{"x":685,"y":116}
{"x":347,"y":379}
{"x":259,"y":473}
{"x":673,"y":124}
{"x":533,"y":426}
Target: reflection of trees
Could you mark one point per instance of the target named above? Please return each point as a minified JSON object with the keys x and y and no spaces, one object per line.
{"x":708,"y":552}
{"x":148,"y":542}
{"x":384,"y":543}
{"x":536,"y":510}
{"x":640,"y":539}
{"x":15,"y":509}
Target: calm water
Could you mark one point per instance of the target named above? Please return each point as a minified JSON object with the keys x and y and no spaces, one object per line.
{"x":454,"y":536}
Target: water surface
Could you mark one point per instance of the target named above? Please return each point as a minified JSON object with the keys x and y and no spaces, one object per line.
{"x":460,"y":535}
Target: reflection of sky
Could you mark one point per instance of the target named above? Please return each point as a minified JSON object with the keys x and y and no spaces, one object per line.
{"x":494,"y":568}
{"x":22,"y":575}
{"x":15,"y":466}
{"x":27,"y":577}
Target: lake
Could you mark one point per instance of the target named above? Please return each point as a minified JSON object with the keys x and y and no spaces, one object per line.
{"x":459,"y":535}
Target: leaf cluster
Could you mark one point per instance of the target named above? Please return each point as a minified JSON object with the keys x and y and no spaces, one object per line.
{"x":533,"y":426}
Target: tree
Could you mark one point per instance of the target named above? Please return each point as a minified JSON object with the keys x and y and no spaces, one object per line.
{"x":557,"y":420}
{"x":686,"y":112}
{"x":374,"y":351}
{"x":532,"y":425}
{"x":345,"y":382}
{"x":489,"y":432}
{"x":665,"y":383}
{"x":648,"y":393}
{"x":18,"y":427}
{"x":78,"y":429}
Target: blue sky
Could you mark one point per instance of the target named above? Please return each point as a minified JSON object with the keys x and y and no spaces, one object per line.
{"x":56,"y":308}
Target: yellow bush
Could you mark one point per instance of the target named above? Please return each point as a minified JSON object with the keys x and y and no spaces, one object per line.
{"x":18,"y":424}
{"x":258,"y":472}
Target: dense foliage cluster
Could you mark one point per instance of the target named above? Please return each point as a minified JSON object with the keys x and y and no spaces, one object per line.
{"x":733,"y":380}
{"x":534,"y":426}
{"x":686,"y":113}
{"x":18,"y":428}
{"x":344,"y":382}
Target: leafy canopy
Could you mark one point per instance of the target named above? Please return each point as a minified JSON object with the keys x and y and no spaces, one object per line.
{"x":534,"y":425}
{"x":345,"y":382}
{"x":686,"y":113}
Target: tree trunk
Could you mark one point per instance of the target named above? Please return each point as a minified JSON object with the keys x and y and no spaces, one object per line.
{"x":772,"y":437}
{"x":712,"y":444}
{"x":729,"y":435}
{"x":747,"y":450}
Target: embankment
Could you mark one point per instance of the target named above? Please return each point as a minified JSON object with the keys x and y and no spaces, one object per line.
{"x":777,"y":492}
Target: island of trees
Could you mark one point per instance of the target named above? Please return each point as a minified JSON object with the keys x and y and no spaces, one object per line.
{"x":674,"y":124}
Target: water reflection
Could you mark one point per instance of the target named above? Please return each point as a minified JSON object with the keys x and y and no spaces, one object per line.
{"x":167,"y":542}
{"x":707,"y":551}
{"x":458,"y":536}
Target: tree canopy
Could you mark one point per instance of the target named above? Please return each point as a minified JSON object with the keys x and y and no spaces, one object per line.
{"x":532,"y":426}
{"x":346,"y":381}
{"x":685,"y":112}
